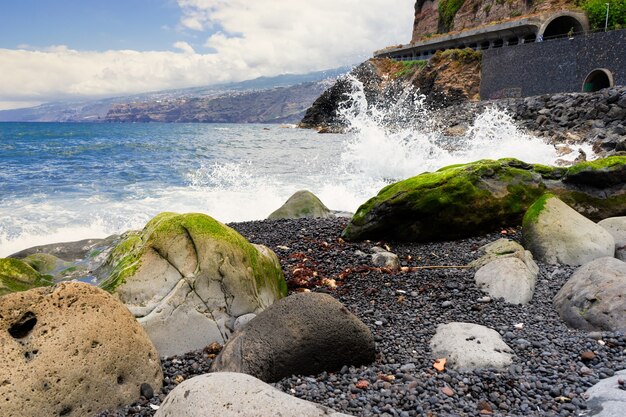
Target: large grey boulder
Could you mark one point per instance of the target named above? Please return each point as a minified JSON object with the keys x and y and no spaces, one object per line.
{"x":303,"y":204}
{"x":511,"y":278}
{"x":468,"y":346}
{"x":555,"y":233}
{"x":71,"y":350}
{"x":189,"y":277}
{"x":302,"y":334}
{"x":606,"y":399}
{"x":594,"y":297}
{"x":226,"y":394}
{"x":616,"y":226}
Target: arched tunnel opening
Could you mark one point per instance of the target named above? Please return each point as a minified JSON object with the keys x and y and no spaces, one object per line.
{"x":561,"y":26}
{"x":597,"y":80}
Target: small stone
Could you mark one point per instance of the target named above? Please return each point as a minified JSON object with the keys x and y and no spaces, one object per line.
{"x":446,"y":304}
{"x":447,"y":391}
{"x":484,"y":407}
{"x":362,"y":384}
{"x":587,"y":355}
{"x":146,"y":391}
{"x":378,"y":323}
{"x":484,"y":300}
{"x":179,"y":379}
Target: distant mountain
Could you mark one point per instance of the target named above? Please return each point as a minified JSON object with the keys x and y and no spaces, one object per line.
{"x":280,"y":99}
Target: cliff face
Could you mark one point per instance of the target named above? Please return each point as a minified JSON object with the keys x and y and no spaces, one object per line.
{"x":278,"y":105}
{"x":450,"y":77}
{"x":442,"y":16}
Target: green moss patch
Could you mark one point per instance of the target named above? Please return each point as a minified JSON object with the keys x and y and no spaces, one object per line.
{"x":17,"y":275}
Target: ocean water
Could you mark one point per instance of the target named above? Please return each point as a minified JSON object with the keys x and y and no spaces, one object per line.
{"x":64,"y":182}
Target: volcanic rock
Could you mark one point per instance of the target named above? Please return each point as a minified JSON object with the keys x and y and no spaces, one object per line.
{"x":71,"y":350}
{"x":510,"y":278}
{"x":302,"y":334}
{"x":616,"y":226}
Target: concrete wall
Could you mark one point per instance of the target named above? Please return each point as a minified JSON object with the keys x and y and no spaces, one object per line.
{"x":552,"y":67}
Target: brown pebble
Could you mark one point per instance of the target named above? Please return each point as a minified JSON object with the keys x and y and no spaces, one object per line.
{"x":587,"y":355}
{"x":448,"y":391}
{"x":484,"y":408}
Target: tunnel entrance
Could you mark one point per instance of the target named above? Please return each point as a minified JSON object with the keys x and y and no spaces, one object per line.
{"x":597,"y":80}
{"x":562,"y":26}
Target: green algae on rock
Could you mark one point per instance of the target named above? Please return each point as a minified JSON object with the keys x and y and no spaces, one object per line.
{"x":464,"y":200}
{"x":303,"y":204}
{"x":17,"y":275}
{"x":188,"y":277}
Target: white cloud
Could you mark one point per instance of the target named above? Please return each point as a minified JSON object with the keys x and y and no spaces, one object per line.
{"x":250,"y":39}
{"x":184,"y":46}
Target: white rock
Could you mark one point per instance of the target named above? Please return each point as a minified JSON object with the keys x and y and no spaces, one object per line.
{"x":469,"y":346}
{"x":616,"y":226}
{"x":226,"y":394}
{"x":509,"y":278}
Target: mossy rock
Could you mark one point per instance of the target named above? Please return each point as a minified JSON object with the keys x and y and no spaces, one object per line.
{"x":43,"y":263}
{"x":303,"y":204}
{"x":188,"y":277}
{"x":17,"y":275}
{"x":479,"y":197}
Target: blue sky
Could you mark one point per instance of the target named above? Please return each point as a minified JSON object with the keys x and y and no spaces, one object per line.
{"x":99,"y":25}
{"x":54,"y":50}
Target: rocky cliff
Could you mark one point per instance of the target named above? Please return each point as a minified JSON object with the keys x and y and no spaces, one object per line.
{"x":441,"y":16}
{"x":450,"y":77}
{"x":278,"y":105}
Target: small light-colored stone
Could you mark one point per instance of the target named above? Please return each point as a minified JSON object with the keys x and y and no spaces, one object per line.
{"x":387,"y":260}
{"x":509,"y":278}
{"x":469,"y":346}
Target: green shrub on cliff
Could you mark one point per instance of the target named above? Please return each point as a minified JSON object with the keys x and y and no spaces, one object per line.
{"x":596,"y":11}
{"x":409,"y":67}
{"x":447,"y":10}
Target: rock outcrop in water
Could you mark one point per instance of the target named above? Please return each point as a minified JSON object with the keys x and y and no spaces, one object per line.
{"x":464,"y":200}
{"x":450,"y":77}
{"x":303,"y":204}
{"x":189,"y":277}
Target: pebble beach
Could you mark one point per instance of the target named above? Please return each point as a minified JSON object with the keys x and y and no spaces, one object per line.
{"x":553,"y":364}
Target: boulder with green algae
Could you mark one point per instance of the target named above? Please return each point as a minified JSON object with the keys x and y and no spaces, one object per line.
{"x":188,"y":277}
{"x":303,"y":204}
{"x":16,"y":275}
{"x":469,"y":199}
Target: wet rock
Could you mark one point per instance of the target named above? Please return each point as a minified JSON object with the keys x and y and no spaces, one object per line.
{"x":305,"y":333}
{"x":229,"y":394}
{"x":303,"y":204}
{"x":71,"y":350}
{"x":17,"y":275}
{"x":387,"y":260}
{"x":556,"y":233}
{"x":593,"y":298}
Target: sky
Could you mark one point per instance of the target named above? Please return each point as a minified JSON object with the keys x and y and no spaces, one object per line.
{"x":53,"y":50}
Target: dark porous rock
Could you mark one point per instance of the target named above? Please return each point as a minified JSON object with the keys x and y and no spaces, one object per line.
{"x":464,"y":200}
{"x":593,"y":298}
{"x":304,"y":333}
